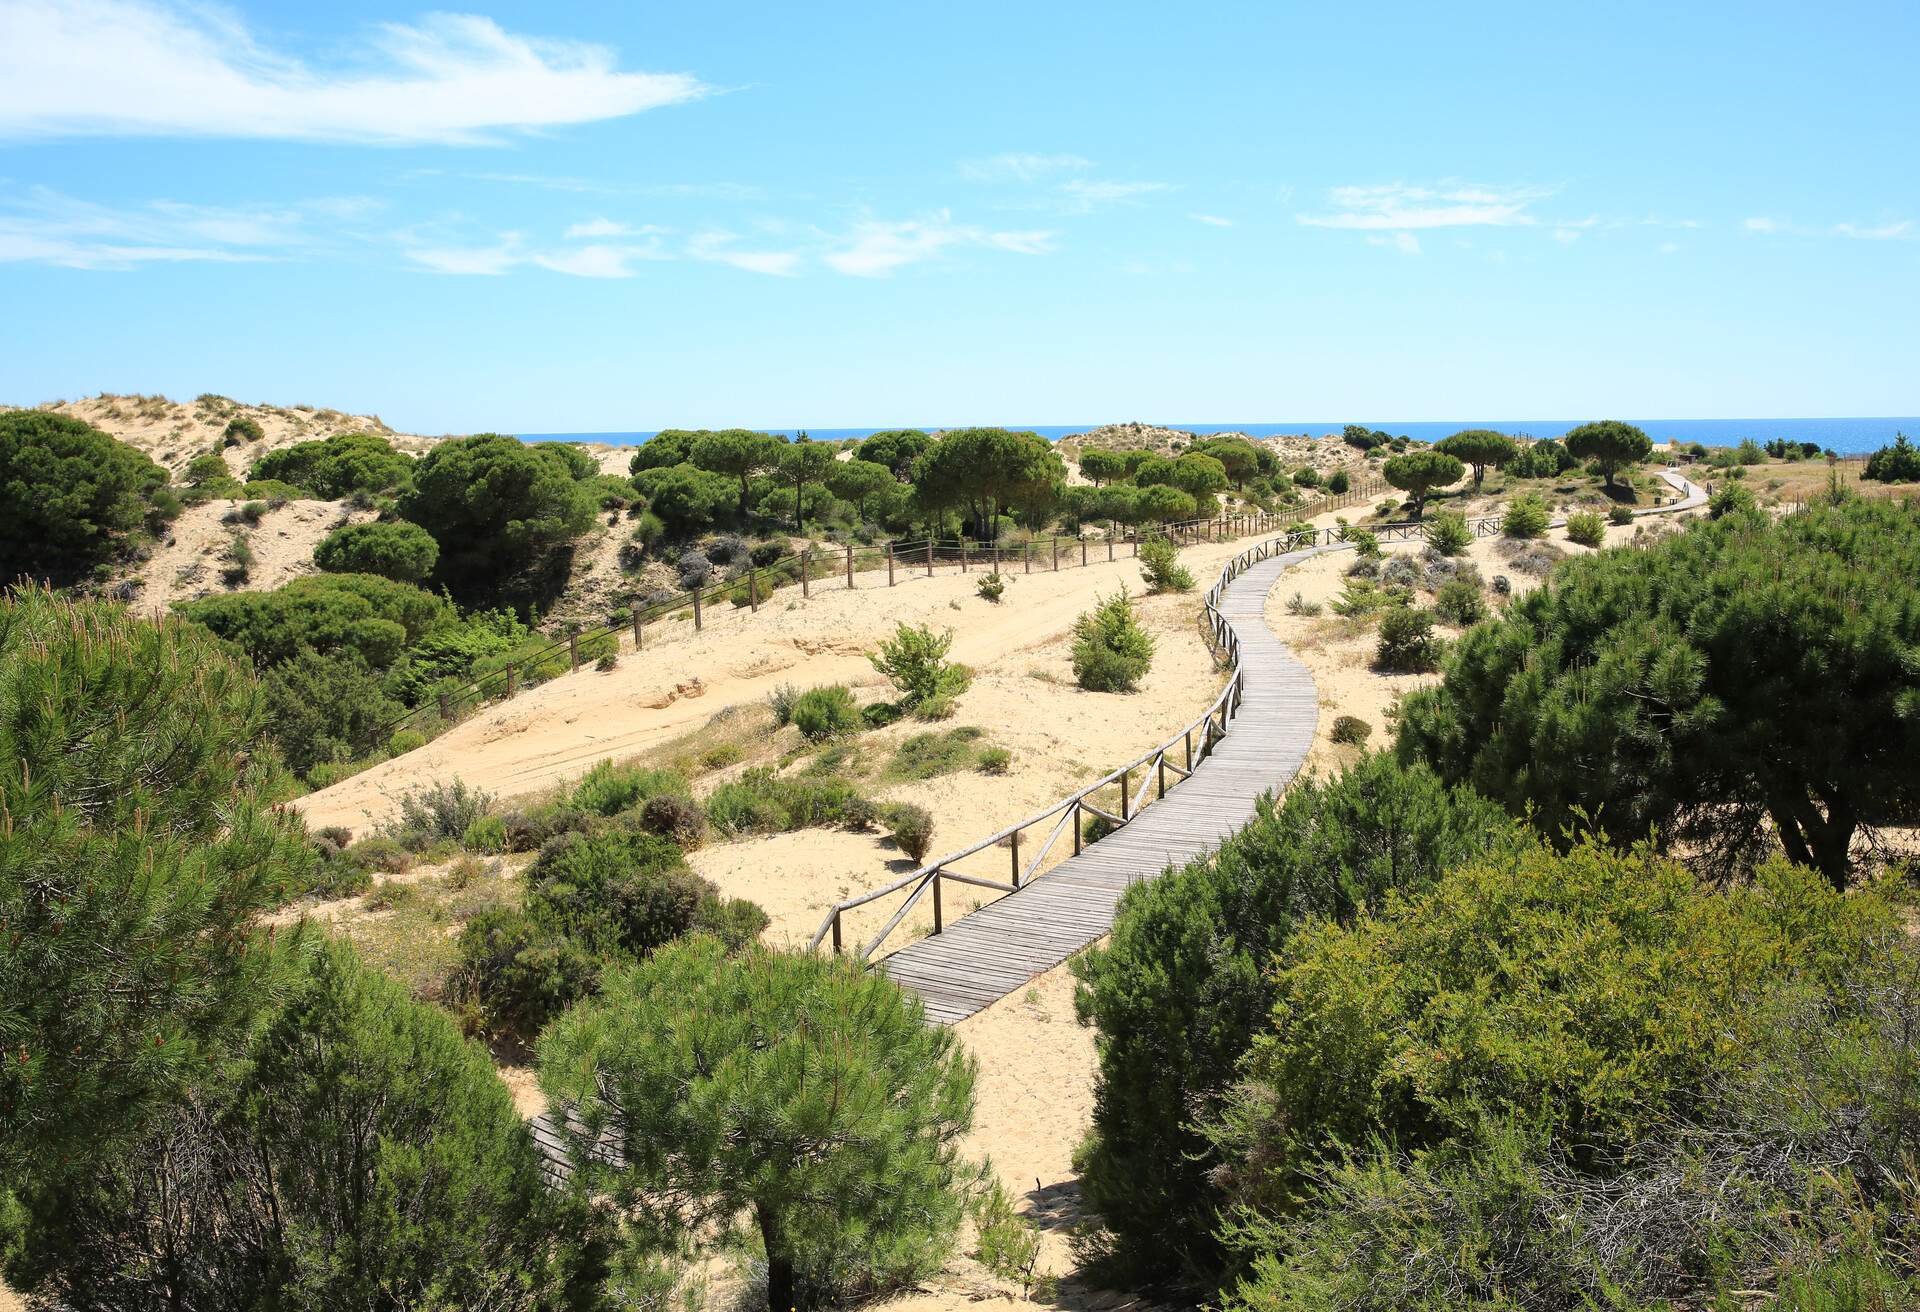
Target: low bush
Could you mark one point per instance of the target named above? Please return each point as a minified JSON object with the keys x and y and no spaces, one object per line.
{"x":380,"y":853}
{"x":1460,"y":602}
{"x":1448,"y":534}
{"x":911,"y":828}
{"x":761,"y":802}
{"x":515,"y":974}
{"x":1586,"y":528}
{"x":1351,"y":729}
{"x":609,"y":789}
{"x":1408,"y":644}
{"x":440,"y":810}
{"x":1364,"y":597}
{"x":826,"y":712}
{"x":1111,"y":651}
{"x":1297,"y":604}
{"x":992,"y":586}
{"x":395,"y":550}
{"x":1728,"y":499}
{"x":675,"y":817}
{"x":1527,"y":517}
{"x":914,"y":661}
{"x":930,"y":755}
{"x":1617,"y":515}
{"x":617,"y":890}
{"x":995,"y":760}
{"x":1160,"y":567}
{"x":487,"y":834}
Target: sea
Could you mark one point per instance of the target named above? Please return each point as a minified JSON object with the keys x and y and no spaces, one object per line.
{"x":1844,"y":436}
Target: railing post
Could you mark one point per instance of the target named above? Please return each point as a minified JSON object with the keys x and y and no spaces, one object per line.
{"x":513,"y":679}
{"x":1027,"y":564}
{"x":1109,"y":548}
{"x":1189,"y":737}
{"x":1083,"y":553}
{"x":929,"y":555}
{"x":963,"y":555}
{"x":939,"y":921}
{"x":806,"y":571}
{"x":1162,"y":765}
{"x":637,"y":641}
{"x":753,"y":587}
{"x":1016,"y":858}
{"x":1056,"y":555}
{"x":836,"y":931}
{"x":1126,"y":794}
{"x":849,"y":564}
{"x":1076,"y":826}
{"x":573,"y":649}
{"x":446,"y":708}
{"x":696,"y":610}
{"x":889,"y":564}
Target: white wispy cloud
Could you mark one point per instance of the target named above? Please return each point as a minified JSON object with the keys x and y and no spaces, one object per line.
{"x":1018,"y":167}
{"x":1212,"y":220}
{"x":594,"y":228}
{"x":1398,"y":207}
{"x":719,"y":248}
{"x":1404,"y":242}
{"x":1902,"y":229}
{"x":1105,"y":193}
{"x":151,"y":68}
{"x":1762,"y":224}
{"x":49,"y":227}
{"x":877,"y":247}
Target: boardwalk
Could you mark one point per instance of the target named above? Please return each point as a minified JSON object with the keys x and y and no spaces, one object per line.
{"x":993,"y":951}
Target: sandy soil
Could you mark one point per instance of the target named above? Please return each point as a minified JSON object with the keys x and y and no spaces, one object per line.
{"x":560,"y":729}
{"x":188,"y":561}
{"x":172,"y":433}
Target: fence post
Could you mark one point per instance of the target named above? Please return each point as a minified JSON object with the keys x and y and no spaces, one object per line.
{"x":806,"y":571}
{"x":836,"y":931}
{"x":1126,"y":793}
{"x":446,"y":709}
{"x":1109,"y":546}
{"x":889,"y":564}
{"x":963,"y":555}
{"x":513,"y":679}
{"x":849,"y":564}
{"x":1028,"y":569}
{"x":753,"y":586}
{"x":635,"y":612}
{"x":696,"y":610}
{"x":929,"y":555}
{"x":1076,"y":826}
{"x":938,"y":919}
{"x":573,"y":649}
{"x":1056,"y":554}
{"x":1083,"y":553}
{"x":1016,"y":859}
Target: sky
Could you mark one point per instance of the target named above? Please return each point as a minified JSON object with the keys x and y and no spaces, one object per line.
{"x":587,"y":217}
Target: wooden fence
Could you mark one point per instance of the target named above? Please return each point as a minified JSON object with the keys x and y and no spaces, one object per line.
{"x":826,"y":565}
{"x":1176,"y":757}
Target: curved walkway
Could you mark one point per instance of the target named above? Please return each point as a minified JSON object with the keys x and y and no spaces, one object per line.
{"x":989,"y":953}
{"x":1004,"y":945}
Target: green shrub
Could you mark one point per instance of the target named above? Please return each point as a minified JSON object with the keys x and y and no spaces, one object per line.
{"x":1527,"y":517}
{"x":1586,"y":528}
{"x":337,"y":466}
{"x":487,"y":834}
{"x":1005,"y":1242}
{"x":243,"y":428}
{"x":1365,"y":545}
{"x":995,"y":760}
{"x":930,"y":755}
{"x":1408,"y":644}
{"x":404,"y":741}
{"x":1624,"y":990}
{"x":761,"y":802}
{"x":1363,"y":596}
{"x":1351,"y":729}
{"x":440,"y":810}
{"x":1184,"y":983}
{"x":911,"y":828}
{"x":1111,"y":651}
{"x":1618,"y":514}
{"x":992,"y":586}
{"x":1160,"y":567}
{"x":823,"y":713}
{"x":914,"y":661}
{"x":360,"y":1154}
{"x":675,"y":817}
{"x":1897,"y":463}
{"x":803,"y":1097}
{"x":381,"y":853}
{"x":394,"y":550}
{"x":515,"y":975}
{"x":1730,"y":498}
{"x":609,"y":788}
{"x":1339,"y":483}
{"x":614,"y":891}
{"x":1460,"y":602}
{"x":1448,"y":533}
{"x":781,"y":701}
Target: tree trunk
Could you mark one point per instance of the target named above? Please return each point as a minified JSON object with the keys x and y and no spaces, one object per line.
{"x":780,"y":1292}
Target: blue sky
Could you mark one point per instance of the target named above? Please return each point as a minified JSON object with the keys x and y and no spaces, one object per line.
{"x":564,"y":217}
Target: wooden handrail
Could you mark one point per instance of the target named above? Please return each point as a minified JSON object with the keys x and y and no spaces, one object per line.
{"x":1070,"y":808}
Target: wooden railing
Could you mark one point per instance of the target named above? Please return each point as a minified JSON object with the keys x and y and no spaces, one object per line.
{"x":815,"y":564}
{"x":1068,"y":814}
